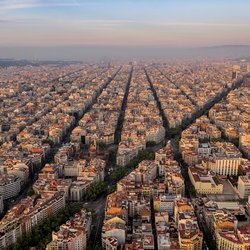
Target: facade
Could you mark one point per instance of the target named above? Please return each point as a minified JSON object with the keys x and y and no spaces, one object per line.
{"x":10,"y":232}
{"x":10,"y":186}
{"x":78,"y":189}
{"x":24,"y":216}
{"x":205,"y":183}
{"x":190,"y":237}
{"x":234,"y":240}
{"x":74,"y":234}
{"x":219,"y":221}
{"x":164,"y":203}
{"x":127,"y":151}
{"x":225,"y":166}
{"x":244,"y":186}
{"x":244,"y":141}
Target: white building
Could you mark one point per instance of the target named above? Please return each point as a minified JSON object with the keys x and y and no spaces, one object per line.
{"x":9,"y":233}
{"x":10,"y":186}
{"x":78,"y":189}
{"x":225,"y":166}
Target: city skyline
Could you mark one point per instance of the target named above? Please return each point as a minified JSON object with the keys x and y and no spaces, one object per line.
{"x":124,"y":124}
{"x":119,"y":156}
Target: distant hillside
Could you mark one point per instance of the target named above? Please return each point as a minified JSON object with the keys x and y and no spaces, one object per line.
{"x":6,"y":62}
{"x":225,"y":51}
{"x":86,"y":53}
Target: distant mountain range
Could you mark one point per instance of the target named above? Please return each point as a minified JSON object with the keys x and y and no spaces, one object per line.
{"x":228,"y":46}
{"x":225,"y":51}
{"x":85,"y":53}
{"x":7,"y":62}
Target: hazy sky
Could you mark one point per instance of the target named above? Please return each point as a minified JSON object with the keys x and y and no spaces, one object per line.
{"x":124,"y":22}
{"x":58,"y":28}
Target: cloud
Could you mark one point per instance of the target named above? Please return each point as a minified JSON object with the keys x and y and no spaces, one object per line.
{"x":15,"y":4}
{"x":11,"y":5}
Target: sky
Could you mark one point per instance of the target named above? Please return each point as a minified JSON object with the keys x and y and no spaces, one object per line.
{"x":125,"y":23}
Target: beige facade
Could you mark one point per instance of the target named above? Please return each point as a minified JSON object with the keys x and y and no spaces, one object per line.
{"x":244,"y":186}
{"x":231,"y":240}
{"x":205,"y":184}
{"x":225,"y":166}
